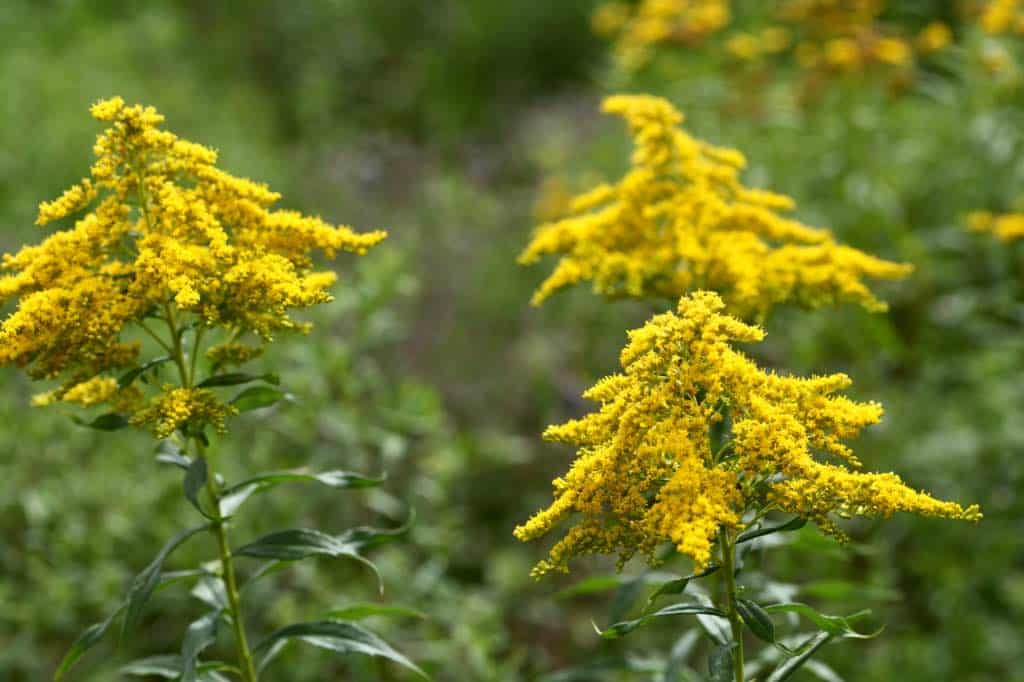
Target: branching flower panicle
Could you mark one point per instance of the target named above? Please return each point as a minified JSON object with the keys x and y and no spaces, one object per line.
{"x":681,"y":220}
{"x":163,"y":237}
{"x":693,"y":435}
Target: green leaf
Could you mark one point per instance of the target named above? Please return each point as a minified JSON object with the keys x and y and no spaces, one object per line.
{"x":169,"y":453}
{"x":677,"y":585}
{"x":169,"y":666}
{"x":233,"y":497}
{"x":199,"y":635}
{"x":110,"y":421}
{"x":361,"y":610}
{"x":195,"y":479}
{"x":720,"y":664}
{"x":795,"y":523}
{"x":145,"y":582}
{"x":596,"y":669}
{"x":131,"y":375}
{"x":789,"y":666}
{"x":757,"y":619}
{"x":837,"y":626}
{"x":342,"y":638}
{"x":211,"y":591}
{"x":625,"y":627}
{"x":257,"y":397}
{"x":592,"y":585}
{"x":87,"y":640}
{"x":676,"y":669}
{"x":236,"y":378}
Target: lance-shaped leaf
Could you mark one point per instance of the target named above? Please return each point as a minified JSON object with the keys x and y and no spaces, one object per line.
{"x":145,"y":582}
{"x":677,"y":585}
{"x":233,"y":497}
{"x":340,"y":637}
{"x":837,"y":626}
{"x":87,"y":640}
{"x":361,"y":610}
{"x":256,"y":397}
{"x":131,"y":375}
{"x":619,"y":629}
{"x":199,"y":635}
{"x":795,"y":523}
{"x":720,"y":663}
{"x":791,"y":665}
{"x":169,"y":667}
{"x":111,"y":421}
{"x":195,"y":479}
{"x":757,"y":619}
{"x":237,"y":378}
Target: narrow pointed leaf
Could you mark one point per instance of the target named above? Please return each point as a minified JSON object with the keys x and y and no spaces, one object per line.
{"x":837,"y":626}
{"x":87,"y":640}
{"x":145,"y":582}
{"x":199,"y":635}
{"x":233,"y":497}
{"x":757,"y":619}
{"x":625,"y":627}
{"x":257,"y":397}
{"x":195,"y":479}
{"x":237,"y":378}
{"x":340,"y":637}
{"x":592,"y":585}
{"x":795,"y":523}
{"x":791,"y":665}
{"x":677,"y":585}
{"x":361,"y":610}
{"x":131,"y":375}
{"x":111,"y":421}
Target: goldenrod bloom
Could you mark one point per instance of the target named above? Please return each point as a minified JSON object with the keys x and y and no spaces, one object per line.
{"x":161,"y":234}
{"x":693,"y":435}
{"x":681,"y":220}
{"x":1007,"y":227}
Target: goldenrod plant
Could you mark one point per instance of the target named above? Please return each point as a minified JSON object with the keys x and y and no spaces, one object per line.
{"x":173,"y":276}
{"x":1007,"y":227}
{"x":694,"y":446}
{"x":681,"y":220}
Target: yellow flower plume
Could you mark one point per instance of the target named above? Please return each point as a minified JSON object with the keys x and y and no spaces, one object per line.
{"x":163,"y":234}
{"x":693,"y":435}
{"x":680,"y":220}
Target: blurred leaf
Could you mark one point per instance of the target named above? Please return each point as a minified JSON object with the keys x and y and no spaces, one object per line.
{"x":677,"y":585}
{"x":195,"y":479}
{"x":236,"y":378}
{"x":199,"y":635}
{"x":720,"y":664}
{"x":592,"y":670}
{"x":146,"y":581}
{"x":88,"y":639}
{"x":111,"y":421}
{"x":169,"y":666}
{"x":759,"y":622}
{"x":795,"y":523}
{"x":837,"y":626}
{"x":233,"y":497}
{"x":676,"y":669}
{"x":169,"y":453}
{"x":257,"y":397}
{"x":593,"y":585}
{"x":361,"y":610}
{"x":791,"y":665}
{"x":625,"y":627}
{"x":341,"y":637}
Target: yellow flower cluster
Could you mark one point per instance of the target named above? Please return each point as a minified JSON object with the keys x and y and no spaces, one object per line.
{"x":163,"y":236}
{"x":681,"y":220}
{"x":1007,"y":227}
{"x":639,"y":28}
{"x":1003,"y":16}
{"x":692,"y":436}
{"x":179,"y":408}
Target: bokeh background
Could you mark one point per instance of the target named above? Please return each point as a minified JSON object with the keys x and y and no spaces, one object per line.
{"x":453,"y":123}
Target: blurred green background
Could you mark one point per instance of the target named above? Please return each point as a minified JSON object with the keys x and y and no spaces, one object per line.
{"x":444,"y":122}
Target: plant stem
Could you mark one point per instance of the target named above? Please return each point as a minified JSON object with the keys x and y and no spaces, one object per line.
{"x":245,"y":660}
{"x":727,"y":543}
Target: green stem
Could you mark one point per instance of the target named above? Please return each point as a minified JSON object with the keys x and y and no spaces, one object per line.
{"x":245,"y":659}
{"x":727,"y":543}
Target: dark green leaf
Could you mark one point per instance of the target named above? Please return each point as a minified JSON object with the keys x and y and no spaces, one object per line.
{"x":199,"y":635}
{"x":256,"y":397}
{"x":757,"y":619}
{"x":789,"y":666}
{"x":795,"y":523}
{"x":677,"y":585}
{"x":87,"y":640}
{"x":720,"y":664}
{"x":131,"y":375}
{"x":624,"y":599}
{"x":619,"y":629}
{"x":110,"y":421}
{"x":195,"y":479}
{"x":340,"y":637}
{"x":236,"y":378}
{"x":145,"y":582}
{"x":837,"y":626}
{"x":233,"y":497}
{"x":361,"y":610}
